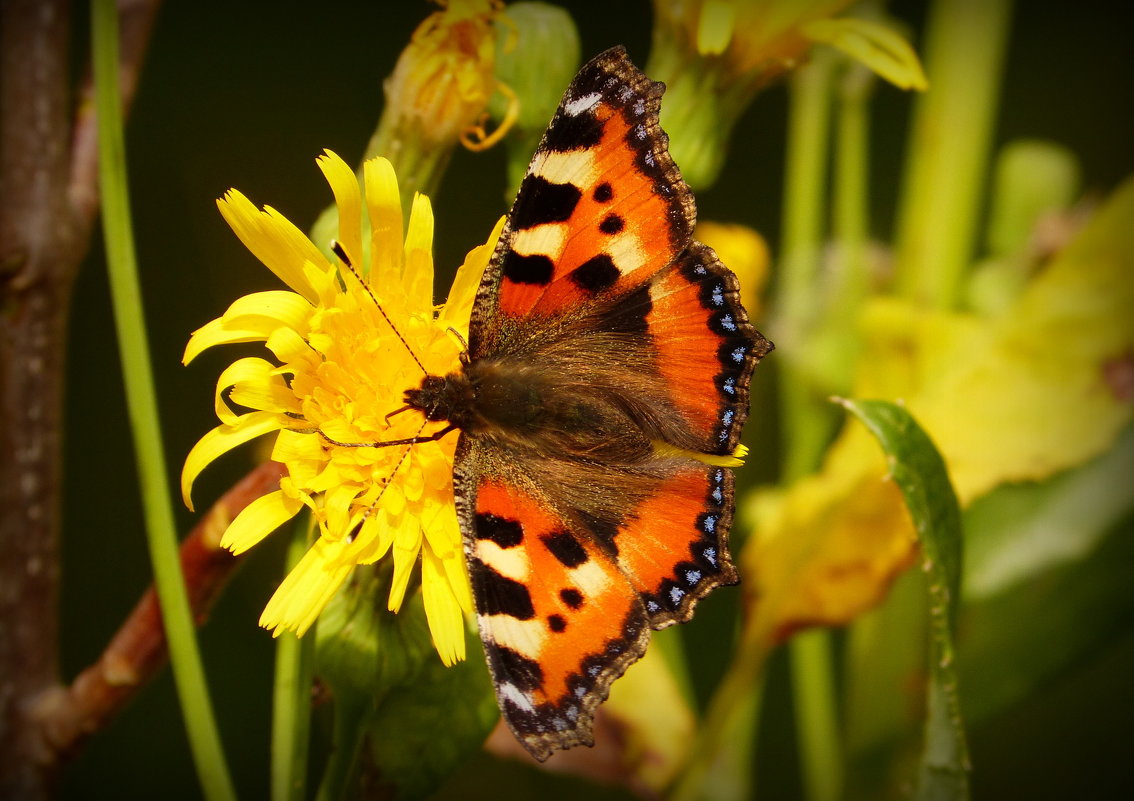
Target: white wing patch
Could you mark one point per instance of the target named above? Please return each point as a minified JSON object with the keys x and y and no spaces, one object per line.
{"x":579,"y":105}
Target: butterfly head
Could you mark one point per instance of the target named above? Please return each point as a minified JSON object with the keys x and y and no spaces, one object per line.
{"x":447,"y":397}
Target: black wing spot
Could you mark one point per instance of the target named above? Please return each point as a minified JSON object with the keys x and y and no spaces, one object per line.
{"x":556,"y":622}
{"x":571,"y":596}
{"x":579,"y":132}
{"x":504,"y":532}
{"x":595,"y":274}
{"x":534,"y":269}
{"x":540,"y":201}
{"x":500,"y":595}
{"x":566,"y":549}
{"x":603,"y":193}
{"x":612,"y":224}
{"x":629,"y":317}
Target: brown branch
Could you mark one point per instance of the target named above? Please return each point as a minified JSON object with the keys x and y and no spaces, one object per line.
{"x":44,"y":236}
{"x":68,"y":715}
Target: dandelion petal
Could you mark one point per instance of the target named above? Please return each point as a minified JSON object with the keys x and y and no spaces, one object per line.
{"x":259,"y":519}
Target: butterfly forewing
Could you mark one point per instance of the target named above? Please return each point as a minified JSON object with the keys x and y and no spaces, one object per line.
{"x":602,"y":202}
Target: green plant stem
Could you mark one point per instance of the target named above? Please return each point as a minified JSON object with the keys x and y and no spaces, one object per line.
{"x":807,"y":416}
{"x":720,"y":766}
{"x":941,"y":205}
{"x":204,"y":739}
{"x":291,"y":693}
{"x":352,"y":714}
{"x":816,"y":719}
{"x":852,"y":197}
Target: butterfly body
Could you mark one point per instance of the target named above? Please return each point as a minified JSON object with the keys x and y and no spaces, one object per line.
{"x":604,"y":386}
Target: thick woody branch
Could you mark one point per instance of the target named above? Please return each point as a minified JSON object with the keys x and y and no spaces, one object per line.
{"x":44,"y":236}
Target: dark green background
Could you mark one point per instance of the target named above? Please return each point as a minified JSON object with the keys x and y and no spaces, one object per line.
{"x":247,"y":95}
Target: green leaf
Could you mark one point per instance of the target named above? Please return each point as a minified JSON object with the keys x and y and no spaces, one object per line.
{"x":918,"y":470}
{"x":424,"y":730}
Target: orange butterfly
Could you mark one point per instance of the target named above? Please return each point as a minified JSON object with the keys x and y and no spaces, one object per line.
{"x":607,"y":351}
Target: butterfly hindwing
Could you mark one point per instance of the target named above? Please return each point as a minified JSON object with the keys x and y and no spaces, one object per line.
{"x":558,"y":619}
{"x":705,"y":347}
{"x":673,"y":546}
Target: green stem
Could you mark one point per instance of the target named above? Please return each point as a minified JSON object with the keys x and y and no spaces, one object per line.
{"x":291,"y":694}
{"x":720,"y":766}
{"x":813,"y":688}
{"x":352,"y":712}
{"x":948,"y":158}
{"x":807,"y":416}
{"x":852,"y":197}
{"x":204,"y":740}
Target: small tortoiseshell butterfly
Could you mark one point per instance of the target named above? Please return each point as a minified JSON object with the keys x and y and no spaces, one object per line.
{"x":606,"y":349}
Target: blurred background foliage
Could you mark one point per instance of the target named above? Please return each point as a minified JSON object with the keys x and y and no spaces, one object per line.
{"x":246,"y":95}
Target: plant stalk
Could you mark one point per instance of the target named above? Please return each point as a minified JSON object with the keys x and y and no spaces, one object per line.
{"x":204,"y":739}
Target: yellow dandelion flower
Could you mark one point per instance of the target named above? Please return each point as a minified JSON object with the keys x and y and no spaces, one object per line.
{"x":341,"y":364}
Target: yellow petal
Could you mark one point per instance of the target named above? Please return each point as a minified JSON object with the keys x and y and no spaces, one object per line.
{"x":306,"y":589}
{"x":252,"y":318}
{"x":467,"y":281}
{"x":418,"y":273}
{"x":384,"y":206}
{"x":218,"y":332}
{"x":878,"y":46}
{"x":348,"y":198}
{"x":826,"y":549}
{"x":338,"y":502}
{"x":288,"y":345}
{"x":293,"y":446}
{"x":272,"y":238}
{"x":374,"y":539}
{"x":255,"y":385}
{"x":407,"y":545}
{"x":220,"y":440}
{"x":259,"y":519}
{"x":1035,"y":398}
{"x":446,"y":623}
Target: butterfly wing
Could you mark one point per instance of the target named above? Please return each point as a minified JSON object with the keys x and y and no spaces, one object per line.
{"x":558,"y":619}
{"x":602,"y":201}
{"x":581,"y":538}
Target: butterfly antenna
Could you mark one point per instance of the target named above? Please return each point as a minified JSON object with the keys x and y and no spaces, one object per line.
{"x":339,"y":251}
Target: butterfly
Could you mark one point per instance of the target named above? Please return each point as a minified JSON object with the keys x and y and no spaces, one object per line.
{"x":604,"y":385}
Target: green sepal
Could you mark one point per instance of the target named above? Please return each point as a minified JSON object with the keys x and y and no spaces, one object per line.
{"x":422,"y":719}
{"x":422,"y":732}
{"x":362,"y":649}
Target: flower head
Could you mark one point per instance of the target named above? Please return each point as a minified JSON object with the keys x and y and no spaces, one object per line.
{"x":444,"y":78}
{"x":346,"y":346}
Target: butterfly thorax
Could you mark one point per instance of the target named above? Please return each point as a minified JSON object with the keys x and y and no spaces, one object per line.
{"x":534,"y":409}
